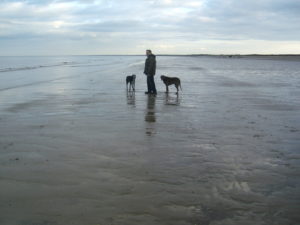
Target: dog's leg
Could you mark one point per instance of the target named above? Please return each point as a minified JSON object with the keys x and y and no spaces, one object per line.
{"x":133,"y":85}
{"x":176,"y":85}
{"x":167,"y":88}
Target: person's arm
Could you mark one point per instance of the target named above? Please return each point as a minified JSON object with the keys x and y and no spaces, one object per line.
{"x":146,"y":70}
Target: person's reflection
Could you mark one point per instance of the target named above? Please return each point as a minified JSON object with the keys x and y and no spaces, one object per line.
{"x":150,"y":117}
{"x":150,"y":112}
{"x":131,"y":98}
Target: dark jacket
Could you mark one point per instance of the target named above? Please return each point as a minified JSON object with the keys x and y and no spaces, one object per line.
{"x":150,"y":65}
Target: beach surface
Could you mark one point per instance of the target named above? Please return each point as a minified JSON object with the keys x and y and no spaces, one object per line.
{"x":77,"y":148}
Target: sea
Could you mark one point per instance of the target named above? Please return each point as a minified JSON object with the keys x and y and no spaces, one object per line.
{"x":78,"y":147}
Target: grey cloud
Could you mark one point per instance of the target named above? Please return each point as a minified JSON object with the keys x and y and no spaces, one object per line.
{"x":248,"y":19}
{"x":111,"y":26}
{"x":176,"y":20}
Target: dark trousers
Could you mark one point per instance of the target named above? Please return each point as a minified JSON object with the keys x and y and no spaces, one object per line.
{"x":151,"y":84}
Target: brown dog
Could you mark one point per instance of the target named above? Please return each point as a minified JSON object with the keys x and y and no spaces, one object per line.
{"x":169,"y":81}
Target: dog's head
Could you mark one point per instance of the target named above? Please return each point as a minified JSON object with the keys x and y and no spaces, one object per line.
{"x":162,"y":77}
{"x":133,"y":76}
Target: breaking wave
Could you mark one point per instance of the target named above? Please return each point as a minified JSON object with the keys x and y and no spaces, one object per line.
{"x":11,"y":69}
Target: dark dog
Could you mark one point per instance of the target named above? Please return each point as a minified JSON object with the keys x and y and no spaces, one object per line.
{"x":131,"y":81}
{"x":169,"y":81}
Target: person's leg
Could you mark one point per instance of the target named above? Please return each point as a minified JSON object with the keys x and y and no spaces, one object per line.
{"x":148,"y":84}
{"x":153,"y":88}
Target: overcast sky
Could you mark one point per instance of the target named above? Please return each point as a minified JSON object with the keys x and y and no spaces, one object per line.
{"x":62,"y":27}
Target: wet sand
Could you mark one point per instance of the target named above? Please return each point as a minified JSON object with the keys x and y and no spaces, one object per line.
{"x":78,"y":149}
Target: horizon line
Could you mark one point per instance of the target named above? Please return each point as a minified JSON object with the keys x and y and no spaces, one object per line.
{"x":195,"y":54}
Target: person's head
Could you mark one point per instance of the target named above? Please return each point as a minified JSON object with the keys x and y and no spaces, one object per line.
{"x":148,"y":52}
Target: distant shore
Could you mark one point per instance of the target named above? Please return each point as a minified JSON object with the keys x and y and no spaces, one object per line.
{"x":288,"y":57}
{"x":293,"y":57}
{"x":258,"y":56}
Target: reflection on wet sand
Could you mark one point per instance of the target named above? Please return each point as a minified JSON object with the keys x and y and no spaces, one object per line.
{"x":150,"y":111}
{"x":150,"y":117}
{"x":172,"y":100}
{"x":214,"y":155}
{"x":131,"y":98}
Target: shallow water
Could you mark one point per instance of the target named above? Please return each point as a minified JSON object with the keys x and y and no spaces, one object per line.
{"x":76,"y":148}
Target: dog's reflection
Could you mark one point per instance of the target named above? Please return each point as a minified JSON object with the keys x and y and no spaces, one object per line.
{"x":172,"y":100}
{"x":131,"y":98}
{"x":150,"y":117}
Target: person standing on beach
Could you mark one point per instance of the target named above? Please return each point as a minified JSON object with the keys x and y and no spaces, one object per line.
{"x":149,"y":71}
